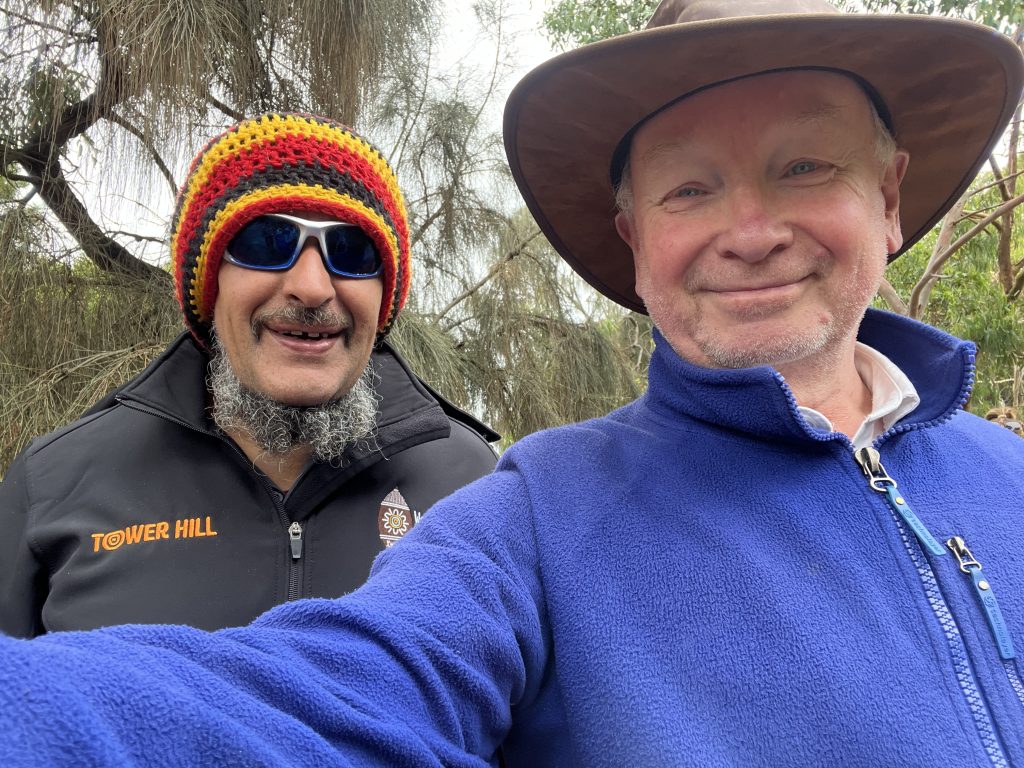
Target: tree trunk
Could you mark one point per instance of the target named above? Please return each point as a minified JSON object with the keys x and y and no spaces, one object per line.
{"x":923,"y":289}
{"x":105,"y":252}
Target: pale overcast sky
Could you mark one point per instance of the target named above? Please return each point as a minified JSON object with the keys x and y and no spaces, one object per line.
{"x":464,"y":43}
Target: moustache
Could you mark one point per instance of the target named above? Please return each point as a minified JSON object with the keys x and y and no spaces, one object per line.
{"x":318,"y":317}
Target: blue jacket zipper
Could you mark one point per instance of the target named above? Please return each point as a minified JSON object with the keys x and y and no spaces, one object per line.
{"x":904,"y":516}
{"x":993,"y":614}
{"x":878,"y":478}
{"x":986,"y":595}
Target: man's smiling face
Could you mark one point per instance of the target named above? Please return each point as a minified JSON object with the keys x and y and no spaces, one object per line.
{"x":761,"y":220}
{"x":300,"y":336}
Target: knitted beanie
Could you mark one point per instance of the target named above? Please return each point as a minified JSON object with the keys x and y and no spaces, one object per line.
{"x":284,"y":163}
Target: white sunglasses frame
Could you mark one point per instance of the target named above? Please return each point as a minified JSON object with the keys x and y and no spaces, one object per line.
{"x":307,"y":229}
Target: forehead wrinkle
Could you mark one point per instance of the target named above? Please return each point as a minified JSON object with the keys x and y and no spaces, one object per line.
{"x":822,"y":113}
{"x":661,"y":150}
{"x":814,"y":116}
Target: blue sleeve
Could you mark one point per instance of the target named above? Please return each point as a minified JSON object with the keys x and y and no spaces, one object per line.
{"x":421,"y":666}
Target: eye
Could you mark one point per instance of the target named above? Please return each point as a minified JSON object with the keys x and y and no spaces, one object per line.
{"x":802,"y":167}
{"x":687,"y":192}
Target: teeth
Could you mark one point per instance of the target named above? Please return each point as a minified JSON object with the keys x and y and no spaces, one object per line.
{"x":305,"y":335}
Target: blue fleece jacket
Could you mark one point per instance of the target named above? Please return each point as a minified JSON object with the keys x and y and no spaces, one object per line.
{"x":699,"y":578}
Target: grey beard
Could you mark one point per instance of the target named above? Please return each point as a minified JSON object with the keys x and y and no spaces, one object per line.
{"x":328,"y":429}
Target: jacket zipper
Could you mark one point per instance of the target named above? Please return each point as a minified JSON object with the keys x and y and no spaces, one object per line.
{"x":295,"y":534}
{"x":983,"y":589}
{"x":880,"y":481}
{"x":993,"y":614}
{"x":295,"y":543}
{"x":295,"y":540}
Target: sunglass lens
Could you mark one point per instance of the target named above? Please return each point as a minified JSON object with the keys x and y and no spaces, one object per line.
{"x":265,"y":243}
{"x":351,"y":252}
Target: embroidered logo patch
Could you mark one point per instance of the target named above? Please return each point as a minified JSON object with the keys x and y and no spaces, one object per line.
{"x":395,"y":518}
{"x":189,"y":528}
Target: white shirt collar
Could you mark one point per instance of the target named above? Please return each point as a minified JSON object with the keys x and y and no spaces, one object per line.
{"x":892,"y":396}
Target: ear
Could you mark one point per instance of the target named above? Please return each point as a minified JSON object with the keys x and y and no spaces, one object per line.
{"x":892,"y":177}
{"x":624,"y":226}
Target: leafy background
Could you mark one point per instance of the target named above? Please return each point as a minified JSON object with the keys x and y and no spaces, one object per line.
{"x":107,"y":99}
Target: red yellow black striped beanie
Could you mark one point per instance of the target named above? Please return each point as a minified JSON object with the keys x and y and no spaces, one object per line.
{"x":277,"y":163}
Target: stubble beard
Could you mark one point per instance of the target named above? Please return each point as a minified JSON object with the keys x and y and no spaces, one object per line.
{"x":716,"y":350}
{"x":773,"y":350}
{"x":328,"y":429}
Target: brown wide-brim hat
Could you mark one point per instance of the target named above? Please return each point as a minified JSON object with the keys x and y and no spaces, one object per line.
{"x":946,"y":88}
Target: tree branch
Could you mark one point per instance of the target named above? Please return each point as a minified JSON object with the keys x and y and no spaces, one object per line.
{"x":889,"y":295}
{"x":33,"y":180}
{"x":101,"y":249}
{"x":74,"y":120}
{"x":938,"y":261}
{"x":231,"y":112}
{"x":999,"y":181}
{"x":494,"y":270}
{"x":118,"y":120}
{"x":138,"y":237}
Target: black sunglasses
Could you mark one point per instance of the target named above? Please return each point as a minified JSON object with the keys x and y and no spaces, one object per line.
{"x":274,"y":242}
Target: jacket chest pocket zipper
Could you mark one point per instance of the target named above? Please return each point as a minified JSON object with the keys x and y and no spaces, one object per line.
{"x":986,"y":595}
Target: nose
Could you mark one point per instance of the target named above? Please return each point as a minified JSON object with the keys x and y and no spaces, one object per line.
{"x":755,"y":228}
{"x":308,"y":282}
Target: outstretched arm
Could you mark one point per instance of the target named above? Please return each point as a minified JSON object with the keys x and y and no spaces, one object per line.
{"x":421,"y":666}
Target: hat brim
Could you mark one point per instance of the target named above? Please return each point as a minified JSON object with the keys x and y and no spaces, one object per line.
{"x":950,"y":88}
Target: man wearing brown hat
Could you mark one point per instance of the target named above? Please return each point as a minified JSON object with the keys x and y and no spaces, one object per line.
{"x":795,"y":549}
{"x":278,"y":445}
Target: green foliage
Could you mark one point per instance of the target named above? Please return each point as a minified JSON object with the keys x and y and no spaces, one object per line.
{"x":969,"y":303}
{"x":524,"y":347}
{"x":1000,"y":14}
{"x":570,"y":23}
{"x":69,"y":333}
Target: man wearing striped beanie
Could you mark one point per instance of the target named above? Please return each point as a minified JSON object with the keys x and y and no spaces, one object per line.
{"x":279,"y":443}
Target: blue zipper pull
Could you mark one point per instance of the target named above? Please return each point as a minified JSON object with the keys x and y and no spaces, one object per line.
{"x":983,"y":589}
{"x":868,"y":459}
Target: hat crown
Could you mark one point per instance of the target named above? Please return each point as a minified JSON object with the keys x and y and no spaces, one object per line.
{"x":671,"y":12}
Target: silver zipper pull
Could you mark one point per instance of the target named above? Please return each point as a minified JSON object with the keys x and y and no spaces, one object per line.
{"x":879,"y":480}
{"x":871,"y":465}
{"x":295,"y":537}
{"x":959,"y":548}
{"x":983,"y":589}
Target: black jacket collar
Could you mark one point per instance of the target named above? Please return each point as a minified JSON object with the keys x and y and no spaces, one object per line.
{"x":174,"y":387}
